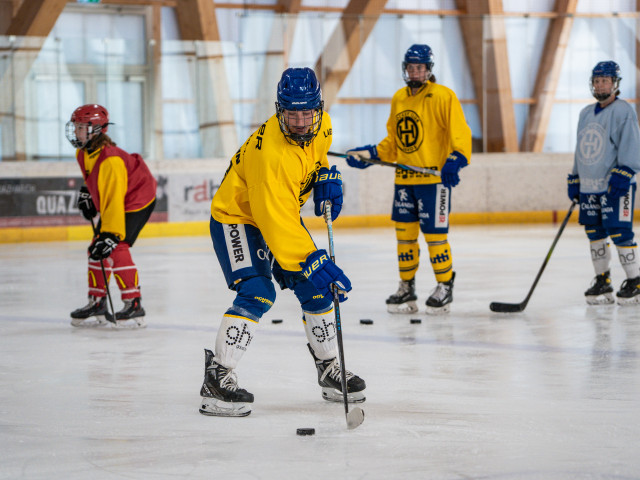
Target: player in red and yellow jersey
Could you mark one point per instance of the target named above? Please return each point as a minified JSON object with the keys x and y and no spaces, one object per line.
{"x":257,"y":232}
{"x":426,"y":128}
{"x":120,"y":187}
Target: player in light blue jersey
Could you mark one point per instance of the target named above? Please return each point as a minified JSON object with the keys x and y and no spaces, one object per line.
{"x":603,"y":179}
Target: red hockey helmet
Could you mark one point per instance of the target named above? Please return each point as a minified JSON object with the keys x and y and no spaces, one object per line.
{"x":94,"y":118}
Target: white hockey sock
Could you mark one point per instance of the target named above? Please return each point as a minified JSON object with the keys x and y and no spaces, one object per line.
{"x":321,"y":333}
{"x":234,"y":336}
{"x":600,"y":256}
{"x":629,"y":260}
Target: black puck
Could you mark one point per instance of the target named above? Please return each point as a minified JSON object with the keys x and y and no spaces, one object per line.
{"x":278,"y":320}
{"x":366,"y":321}
{"x":305,"y":431}
{"x":413,"y":320}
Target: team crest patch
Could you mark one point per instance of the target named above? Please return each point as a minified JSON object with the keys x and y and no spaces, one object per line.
{"x":409,"y":131}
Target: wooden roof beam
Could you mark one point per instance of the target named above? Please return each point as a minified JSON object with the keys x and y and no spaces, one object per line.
{"x":544,"y":90}
{"x":489,"y":43}
{"x":340,"y":53}
{"x":36,"y":18}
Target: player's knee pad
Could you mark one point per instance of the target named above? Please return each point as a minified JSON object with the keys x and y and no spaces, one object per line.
{"x":311,"y":300}
{"x":254,"y":297}
{"x":407,"y":232}
{"x":622,"y":237}
{"x":595,"y":232}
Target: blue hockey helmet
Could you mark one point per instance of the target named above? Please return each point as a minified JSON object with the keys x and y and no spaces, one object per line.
{"x":607,"y":68}
{"x":421,"y":54}
{"x":299,"y":90}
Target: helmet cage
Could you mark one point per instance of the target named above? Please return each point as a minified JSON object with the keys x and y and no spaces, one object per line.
{"x":92,"y":132}
{"x":299,"y":90}
{"x":605,"y":69}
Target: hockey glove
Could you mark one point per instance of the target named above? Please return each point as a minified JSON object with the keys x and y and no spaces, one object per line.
{"x":451,"y":168}
{"x":328,"y":186}
{"x":322,"y":272}
{"x":573,"y":187}
{"x":620,"y":181}
{"x":85,"y":203}
{"x":103,"y":245}
{"x":356,"y":154}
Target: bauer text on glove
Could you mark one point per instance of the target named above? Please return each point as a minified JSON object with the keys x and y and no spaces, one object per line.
{"x":328,"y":186}
{"x":322,"y":272}
{"x":573,"y":187}
{"x":620,"y":181}
{"x":103,"y":245}
{"x":451,"y":168}
{"x":356,"y":156}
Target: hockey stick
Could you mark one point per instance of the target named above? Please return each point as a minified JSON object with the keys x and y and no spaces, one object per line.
{"x":428,"y":171}
{"x":519,"y":307}
{"x":109,"y":316}
{"x":355,"y":417}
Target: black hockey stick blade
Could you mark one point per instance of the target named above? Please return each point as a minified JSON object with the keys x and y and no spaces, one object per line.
{"x":507,"y":307}
{"x":519,"y":307}
{"x":355,"y":417}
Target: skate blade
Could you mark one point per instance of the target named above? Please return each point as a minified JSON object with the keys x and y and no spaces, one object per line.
{"x":439,"y":310}
{"x":355,"y":418}
{"x":407,"y":307}
{"x":623,"y":301}
{"x":214,"y":407}
{"x":335,"y":395}
{"x":98,"y":321}
{"x":130,"y":324}
{"x":604,"y":299}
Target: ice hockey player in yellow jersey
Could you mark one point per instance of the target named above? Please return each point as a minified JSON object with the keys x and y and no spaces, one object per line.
{"x":426,"y":128}
{"x":257,"y":233}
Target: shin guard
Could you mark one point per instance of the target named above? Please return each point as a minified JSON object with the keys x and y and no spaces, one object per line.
{"x":233,"y":339}
{"x":440,"y":256}
{"x":321,"y":331}
{"x":125,"y":272}
{"x":408,"y":249}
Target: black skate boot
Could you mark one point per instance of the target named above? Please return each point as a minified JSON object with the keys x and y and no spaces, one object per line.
{"x":404,"y":300}
{"x":629,"y":292}
{"x":600,"y":292}
{"x":133,"y":311}
{"x":440,"y":299}
{"x":329,"y":380}
{"x":221,"y":396}
{"x":97,"y":307}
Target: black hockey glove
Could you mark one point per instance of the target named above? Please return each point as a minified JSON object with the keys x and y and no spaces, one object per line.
{"x":85,"y":203}
{"x":103,"y":245}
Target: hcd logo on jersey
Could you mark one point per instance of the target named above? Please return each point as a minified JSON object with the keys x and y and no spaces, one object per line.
{"x":409,"y":131}
{"x":591,"y":143}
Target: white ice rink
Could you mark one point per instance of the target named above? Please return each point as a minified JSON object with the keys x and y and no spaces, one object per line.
{"x":552,"y":393}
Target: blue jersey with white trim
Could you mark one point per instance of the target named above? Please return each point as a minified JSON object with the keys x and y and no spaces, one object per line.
{"x":607,"y":138}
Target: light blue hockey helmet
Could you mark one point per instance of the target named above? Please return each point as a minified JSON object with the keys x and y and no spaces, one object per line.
{"x":607,"y":68}
{"x":299,"y":89}
{"x":417,"y":54}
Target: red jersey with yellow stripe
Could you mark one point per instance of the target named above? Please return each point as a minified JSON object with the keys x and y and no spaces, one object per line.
{"x":118,"y":182}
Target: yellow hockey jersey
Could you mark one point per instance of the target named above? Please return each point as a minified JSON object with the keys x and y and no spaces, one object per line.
{"x":266,"y":184}
{"x":422,"y":130}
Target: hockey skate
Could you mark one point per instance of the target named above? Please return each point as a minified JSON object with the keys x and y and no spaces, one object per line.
{"x":94,"y":314}
{"x":600,"y":292}
{"x":439,"y":301}
{"x":221,"y":396}
{"x":131,"y":315}
{"x":404,"y":300}
{"x":629,"y":292}
{"x":329,"y":380}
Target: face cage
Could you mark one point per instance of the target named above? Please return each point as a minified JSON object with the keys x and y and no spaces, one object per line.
{"x":297,"y":138}
{"x":415,"y":83}
{"x":70,"y":133}
{"x":601,"y":97}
